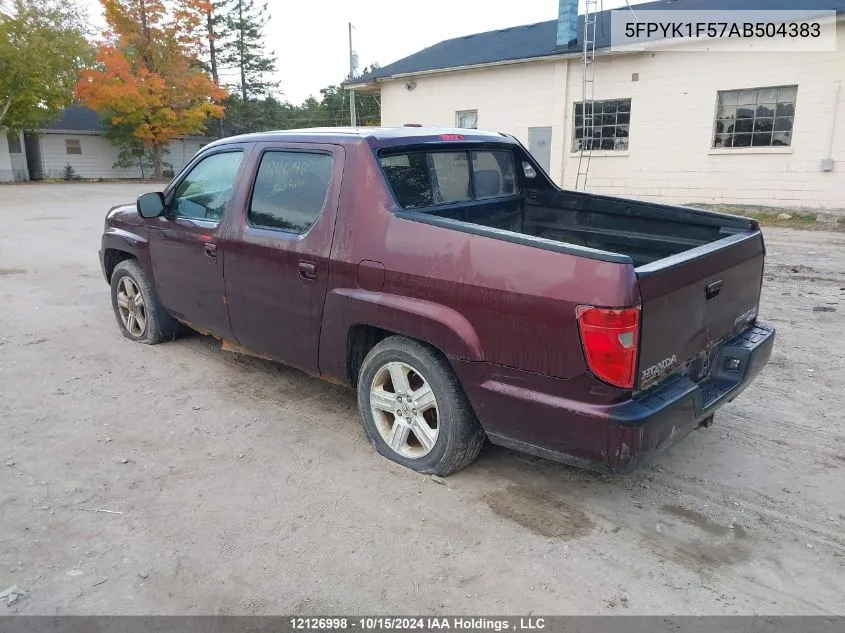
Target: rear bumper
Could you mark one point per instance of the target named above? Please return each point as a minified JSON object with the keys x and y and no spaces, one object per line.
{"x":619,"y":436}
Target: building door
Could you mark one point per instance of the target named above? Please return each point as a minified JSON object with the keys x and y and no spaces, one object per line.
{"x":540,"y":146}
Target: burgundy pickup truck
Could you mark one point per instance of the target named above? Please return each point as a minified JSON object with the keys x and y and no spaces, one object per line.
{"x":463,"y":294}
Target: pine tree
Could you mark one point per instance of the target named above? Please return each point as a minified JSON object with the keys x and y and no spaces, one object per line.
{"x":242,"y":48}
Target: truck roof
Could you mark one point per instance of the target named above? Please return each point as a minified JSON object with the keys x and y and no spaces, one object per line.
{"x":376,"y":136}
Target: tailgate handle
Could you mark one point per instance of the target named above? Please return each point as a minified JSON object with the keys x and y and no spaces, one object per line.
{"x":712,"y":290}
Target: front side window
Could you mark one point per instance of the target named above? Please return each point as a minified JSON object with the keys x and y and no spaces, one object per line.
{"x":290,"y":190}
{"x":602,"y":125}
{"x":423,"y":179}
{"x":204,"y":193}
{"x":760,"y":117}
{"x":73,"y":146}
{"x":467,"y":119}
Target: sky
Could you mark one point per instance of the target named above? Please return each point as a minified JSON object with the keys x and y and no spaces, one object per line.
{"x":310,"y":38}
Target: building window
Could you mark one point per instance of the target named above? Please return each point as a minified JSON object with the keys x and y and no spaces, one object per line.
{"x":759,"y":117}
{"x":467,"y":119}
{"x":73,"y":146}
{"x":14,"y":140}
{"x":602,"y":125}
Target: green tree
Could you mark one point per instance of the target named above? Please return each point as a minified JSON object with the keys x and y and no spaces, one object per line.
{"x":42,"y":49}
{"x":241,"y":47}
{"x":131,"y":152}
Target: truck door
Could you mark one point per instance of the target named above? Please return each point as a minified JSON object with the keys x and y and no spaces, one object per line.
{"x":277,"y":257}
{"x":186,"y":260}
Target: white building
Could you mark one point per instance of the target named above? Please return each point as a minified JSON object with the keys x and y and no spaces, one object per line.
{"x":77,"y":139}
{"x":677,"y":126}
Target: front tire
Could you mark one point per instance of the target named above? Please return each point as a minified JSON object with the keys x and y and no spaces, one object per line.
{"x":414,"y":410}
{"x":139,"y":314}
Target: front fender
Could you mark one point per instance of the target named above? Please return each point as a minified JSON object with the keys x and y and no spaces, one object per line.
{"x":123,"y":240}
{"x":438,"y":325}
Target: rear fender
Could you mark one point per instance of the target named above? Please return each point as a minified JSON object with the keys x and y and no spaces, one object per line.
{"x":440,"y":326}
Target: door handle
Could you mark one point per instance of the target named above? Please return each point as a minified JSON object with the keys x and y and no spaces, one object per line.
{"x":210,"y":249}
{"x":308,"y":270}
{"x":711,"y":291}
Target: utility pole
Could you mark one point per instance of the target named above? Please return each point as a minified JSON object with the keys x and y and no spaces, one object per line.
{"x":352,"y":117}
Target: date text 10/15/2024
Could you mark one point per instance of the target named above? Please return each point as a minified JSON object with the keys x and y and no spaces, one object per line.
{"x":458,"y":623}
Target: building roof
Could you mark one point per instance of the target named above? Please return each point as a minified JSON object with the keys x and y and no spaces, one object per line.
{"x":540,"y":39}
{"x":77,"y":118}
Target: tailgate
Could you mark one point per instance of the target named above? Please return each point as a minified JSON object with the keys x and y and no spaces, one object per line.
{"x":695,"y":299}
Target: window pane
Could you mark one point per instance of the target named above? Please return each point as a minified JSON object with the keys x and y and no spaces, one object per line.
{"x":783,"y":124}
{"x":767,"y":95}
{"x":609,"y":106}
{"x":763,"y":125}
{"x":407,"y":175}
{"x":623,"y":117}
{"x":781,"y":138}
{"x":621,"y":144}
{"x":785,"y":109}
{"x":579,"y":108}
{"x":450,"y":175}
{"x":622,"y":131}
{"x":742,"y":140}
{"x":607,"y":143}
{"x":608,"y":131}
{"x":579,"y":132}
{"x":744,"y":113}
{"x":625,"y":105}
{"x":765,"y":110}
{"x":494,"y":174}
{"x":744,"y":125}
{"x":762,"y":140}
{"x":290,"y":190}
{"x":205,"y":191}
{"x":787,"y":93}
{"x":747,"y":97}
{"x":728,"y":98}
{"x":608,"y":119}
{"x":721,"y":140}
{"x":467,"y":119}
{"x":727,"y":112}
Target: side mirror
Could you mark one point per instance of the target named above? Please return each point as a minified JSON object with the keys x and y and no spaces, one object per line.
{"x":151,"y":205}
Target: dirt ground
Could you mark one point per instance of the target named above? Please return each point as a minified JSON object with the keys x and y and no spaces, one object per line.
{"x":180,"y":479}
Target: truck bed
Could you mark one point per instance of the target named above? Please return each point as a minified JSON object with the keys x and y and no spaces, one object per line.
{"x":645,"y":232}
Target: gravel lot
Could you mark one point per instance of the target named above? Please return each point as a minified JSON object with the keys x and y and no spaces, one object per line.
{"x":183,"y":479}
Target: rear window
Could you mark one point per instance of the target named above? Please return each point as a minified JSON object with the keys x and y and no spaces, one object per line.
{"x":423,"y":179}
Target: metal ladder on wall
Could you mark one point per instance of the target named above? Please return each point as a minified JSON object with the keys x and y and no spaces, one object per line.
{"x":588,"y":69}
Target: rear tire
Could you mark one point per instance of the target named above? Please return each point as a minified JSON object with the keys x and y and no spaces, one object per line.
{"x":140,"y":315}
{"x":414,"y":410}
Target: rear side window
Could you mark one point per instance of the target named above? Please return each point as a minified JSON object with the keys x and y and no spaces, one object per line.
{"x":494,"y":174}
{"x":290,"y":190}
{"x":423,"y":179}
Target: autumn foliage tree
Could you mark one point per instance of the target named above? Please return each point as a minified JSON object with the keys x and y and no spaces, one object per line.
{"x":148,"y":82}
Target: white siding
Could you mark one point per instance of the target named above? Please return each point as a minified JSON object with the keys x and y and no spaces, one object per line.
{"x":6,"y":174}
{"x":99,"y":155}
{"x":673,"y":105}
{"x":12,"y":166}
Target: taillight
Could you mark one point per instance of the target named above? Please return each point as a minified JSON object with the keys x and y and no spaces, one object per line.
{"x":610,"y":337}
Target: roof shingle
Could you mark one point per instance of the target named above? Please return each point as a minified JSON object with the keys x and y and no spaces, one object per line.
{"x":539,"y":40}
